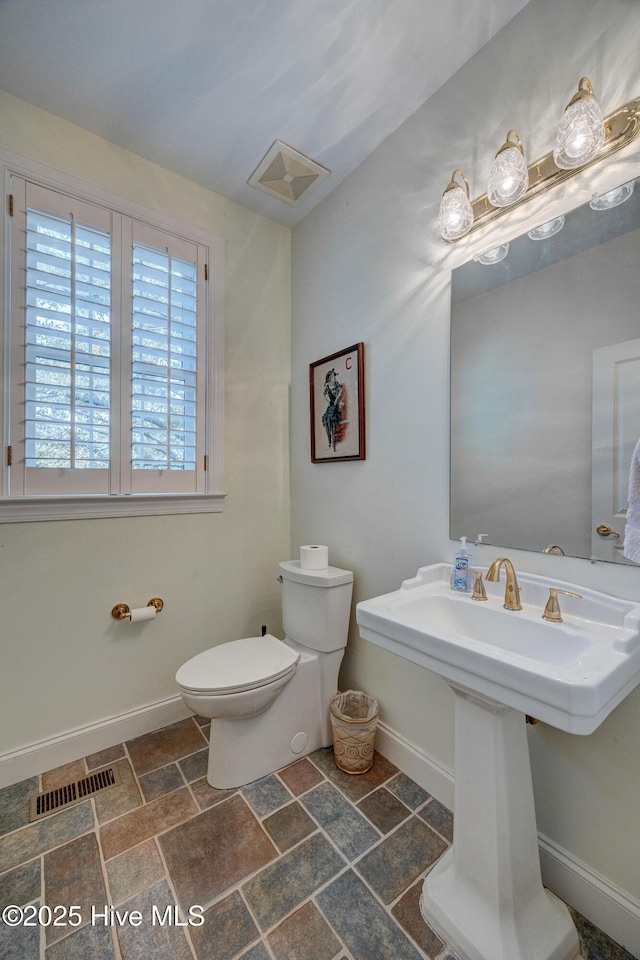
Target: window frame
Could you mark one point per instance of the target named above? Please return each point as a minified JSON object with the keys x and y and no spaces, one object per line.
{"x":22,"y":508}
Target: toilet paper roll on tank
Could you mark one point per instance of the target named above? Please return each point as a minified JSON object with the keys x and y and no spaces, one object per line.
{"x":314,"y":556}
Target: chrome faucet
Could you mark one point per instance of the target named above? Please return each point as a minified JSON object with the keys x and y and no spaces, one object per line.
{"x":512,"y":590}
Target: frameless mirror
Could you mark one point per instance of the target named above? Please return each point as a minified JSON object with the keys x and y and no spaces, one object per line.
{"x":545,"y":386}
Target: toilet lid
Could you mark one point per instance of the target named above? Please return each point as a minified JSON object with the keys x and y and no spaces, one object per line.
{"x":237,"y":665}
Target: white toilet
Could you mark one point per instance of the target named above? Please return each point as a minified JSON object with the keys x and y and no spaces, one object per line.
{"x":268,"y":699}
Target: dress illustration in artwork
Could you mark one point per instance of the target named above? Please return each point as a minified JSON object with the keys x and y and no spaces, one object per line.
{"x":334,"y":418}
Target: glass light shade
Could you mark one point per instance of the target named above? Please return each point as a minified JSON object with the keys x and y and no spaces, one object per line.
{"x":613,"y":198}
{"x":581,"y":132}
{"x":509,"y":176}
{"x":548,"y":229}
{"x":456,"y":215}
{"x":493,"y":256}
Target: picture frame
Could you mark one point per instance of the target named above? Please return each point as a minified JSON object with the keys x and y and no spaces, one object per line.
{"x":337,"y":409}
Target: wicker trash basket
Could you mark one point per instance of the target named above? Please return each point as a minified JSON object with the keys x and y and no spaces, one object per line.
{"x":354,"y":718}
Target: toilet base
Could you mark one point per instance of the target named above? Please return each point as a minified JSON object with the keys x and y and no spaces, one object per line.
{"x":296,"y":724}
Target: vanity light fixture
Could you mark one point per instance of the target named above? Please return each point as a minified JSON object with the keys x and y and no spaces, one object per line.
{"x":584,"y":138}
{"x":456,"y":215}
{"x":509,"y":176}
{"x":613,"y":198}
{"x":492,"y":256}
{"x":548,"y":229}
{"x":581,"y":133}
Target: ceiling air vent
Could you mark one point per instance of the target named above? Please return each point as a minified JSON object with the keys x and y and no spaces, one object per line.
{"x":287,"y":174}
{"x":43,"y":804}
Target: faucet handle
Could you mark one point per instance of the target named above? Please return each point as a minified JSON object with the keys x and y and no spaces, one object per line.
{"x":479,"y":592}
{"x":552,"y":610}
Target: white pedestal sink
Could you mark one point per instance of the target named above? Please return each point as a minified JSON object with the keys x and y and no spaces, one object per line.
{"x":485,"y":895}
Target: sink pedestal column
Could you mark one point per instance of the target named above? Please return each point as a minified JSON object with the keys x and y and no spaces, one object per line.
{"x":485,"y":896}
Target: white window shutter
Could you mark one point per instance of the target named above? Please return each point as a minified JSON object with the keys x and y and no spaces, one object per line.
{"x":168,"y":363}
{"x":62,"y":342}
{"x":115,"y":382}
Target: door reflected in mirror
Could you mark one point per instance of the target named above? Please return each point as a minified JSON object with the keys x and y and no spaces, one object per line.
{"x":545,"y":385}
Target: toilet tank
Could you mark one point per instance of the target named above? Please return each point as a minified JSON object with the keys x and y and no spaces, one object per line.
{"x":316,"y":605}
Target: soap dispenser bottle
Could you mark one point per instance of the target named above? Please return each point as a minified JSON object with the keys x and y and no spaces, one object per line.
{"x":461,"y":564}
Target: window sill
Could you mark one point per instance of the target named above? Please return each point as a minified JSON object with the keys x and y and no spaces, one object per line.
{"x":25,"y":509}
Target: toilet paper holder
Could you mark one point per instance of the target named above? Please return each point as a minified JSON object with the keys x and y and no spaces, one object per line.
{"x":122,"y":610}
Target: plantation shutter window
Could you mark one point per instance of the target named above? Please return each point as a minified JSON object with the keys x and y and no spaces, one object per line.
{"x":62,"y":342}
{"x":115,"y":368}
{"x":168,"y":358}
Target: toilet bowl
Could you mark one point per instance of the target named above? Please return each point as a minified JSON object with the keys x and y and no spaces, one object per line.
{"x":238,"y":679}
{"x":268,"y":699}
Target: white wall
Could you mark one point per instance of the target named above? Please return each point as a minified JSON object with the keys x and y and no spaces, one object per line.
{"x":64,"y":662}
{"x":368,"y":265}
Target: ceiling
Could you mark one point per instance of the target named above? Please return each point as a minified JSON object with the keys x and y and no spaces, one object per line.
{"x":204,"y":87}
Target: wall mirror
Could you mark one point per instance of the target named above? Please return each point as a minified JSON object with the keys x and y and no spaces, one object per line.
{"x":545,"y":384}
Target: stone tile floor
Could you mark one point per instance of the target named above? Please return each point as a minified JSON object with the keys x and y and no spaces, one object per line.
{"x":306,"y":864}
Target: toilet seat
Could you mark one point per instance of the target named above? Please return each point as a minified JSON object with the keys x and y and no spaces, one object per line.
{"x":237,"y":666}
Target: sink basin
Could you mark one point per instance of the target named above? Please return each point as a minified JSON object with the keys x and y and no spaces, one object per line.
{"x":485,"y":895}
{"x":570,"y":674}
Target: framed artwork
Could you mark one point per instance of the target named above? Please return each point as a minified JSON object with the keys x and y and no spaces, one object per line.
{"x":336,"y":387}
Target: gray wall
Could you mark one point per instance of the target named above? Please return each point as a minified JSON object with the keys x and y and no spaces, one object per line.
{"x":368,"y":265}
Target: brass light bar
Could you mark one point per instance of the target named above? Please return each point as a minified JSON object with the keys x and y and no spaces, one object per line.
{"x":622,"y":127}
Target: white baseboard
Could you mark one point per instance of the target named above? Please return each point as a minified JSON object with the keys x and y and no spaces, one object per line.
{"x":608,"y":907}
{"x":611,"y":909}
{"x":428,"y":772}
{"x":596,"y":898}
{"x":48,"y":754}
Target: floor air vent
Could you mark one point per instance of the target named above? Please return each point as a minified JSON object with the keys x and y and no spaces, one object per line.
{"x":43,"y":804}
